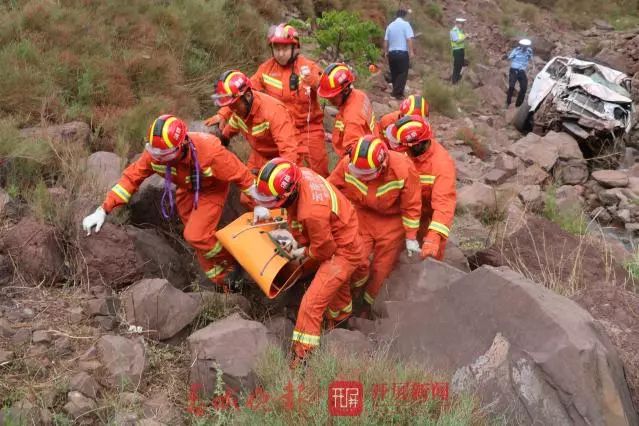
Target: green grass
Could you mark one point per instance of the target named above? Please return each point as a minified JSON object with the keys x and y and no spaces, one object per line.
{"x":572,"y":220}
{"x":57,"y":67}
{"x":301,"y":396}
{"x":434,"y":11}
{"x":633,"y":266}
{"x":447,"y":99}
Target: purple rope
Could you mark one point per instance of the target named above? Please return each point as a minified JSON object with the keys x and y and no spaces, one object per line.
{"x":196,"y":164}
{"x":167,"y":193}
{"x":167,"y":186}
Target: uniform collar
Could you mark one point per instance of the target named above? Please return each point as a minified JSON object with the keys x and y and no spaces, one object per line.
{"x":255,"y":106}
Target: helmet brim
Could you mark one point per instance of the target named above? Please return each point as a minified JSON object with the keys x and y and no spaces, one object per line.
{"x":224,"y":100}
{"x":330,"y":93}
{"x":277,"y":40}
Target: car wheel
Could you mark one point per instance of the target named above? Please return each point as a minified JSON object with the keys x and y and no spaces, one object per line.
{"x":522,"y":120}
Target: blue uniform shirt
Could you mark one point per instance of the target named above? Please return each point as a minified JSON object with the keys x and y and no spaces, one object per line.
{"x":397,"y":34}
{"x":519,"y":57}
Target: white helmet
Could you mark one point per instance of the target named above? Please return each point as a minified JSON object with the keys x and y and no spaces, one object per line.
{"x":460,"y":20}
{"x":525,"y":42}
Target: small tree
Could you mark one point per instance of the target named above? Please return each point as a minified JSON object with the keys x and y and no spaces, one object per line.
{"x":345,"y":33}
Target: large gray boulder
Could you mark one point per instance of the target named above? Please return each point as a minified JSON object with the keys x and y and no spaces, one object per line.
{"x":119,"y":256}
{"x":554,"y":365}
{"x":231,"y":346}
{"x":105,"y":168}
{"x":123,"y":361}
{"x":567,"y":146}
{"x":477,"y":198}
{"x":35,"y":251}
{"x":531,"y":149}
{"x":415,"y":281}
{"x":571,"y":172}
{"x":158,"y":307}
{"x":75,"y":133}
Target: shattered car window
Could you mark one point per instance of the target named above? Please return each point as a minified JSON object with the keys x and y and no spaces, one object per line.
{"x":598,"y":78}
{"x":557,"y":69}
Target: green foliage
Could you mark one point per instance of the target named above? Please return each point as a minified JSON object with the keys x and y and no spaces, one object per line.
{"x":300,"y":396}
{"x":570,"y":219}
{"x":436,"y":44}
{"x":25,"y":161}
{"x":447,"y":99}
{"x":56,"y":67}
{"x":434,"y":11}
{"x":346,"y":34}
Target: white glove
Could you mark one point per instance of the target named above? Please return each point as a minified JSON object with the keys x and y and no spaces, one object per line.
{"x":298,"y":253}
{"x":285,"y":239}
{"x":412,"y":247}
{"x":96,"y":219}
{"x":260,"y":214}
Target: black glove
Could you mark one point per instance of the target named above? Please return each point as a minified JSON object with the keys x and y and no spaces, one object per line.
{"x":225,"y":141}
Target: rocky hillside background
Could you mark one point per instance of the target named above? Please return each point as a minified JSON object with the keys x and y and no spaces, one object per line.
{"x":542,"y":270}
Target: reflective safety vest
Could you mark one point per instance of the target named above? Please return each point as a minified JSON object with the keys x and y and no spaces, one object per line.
{"x":457,"y":38}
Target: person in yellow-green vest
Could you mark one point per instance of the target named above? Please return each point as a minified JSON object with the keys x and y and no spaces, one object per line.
{"x":457,"y":38}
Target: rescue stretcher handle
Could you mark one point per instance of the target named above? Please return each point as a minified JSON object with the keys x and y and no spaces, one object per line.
{"x":277,"y":222}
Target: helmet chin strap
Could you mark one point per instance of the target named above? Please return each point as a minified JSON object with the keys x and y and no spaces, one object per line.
{"x":291,"y":59}
{"x":248,"y":104}
{"x":418,"y":149}
{"x":291,"y":199}
{"x":345,"y":93}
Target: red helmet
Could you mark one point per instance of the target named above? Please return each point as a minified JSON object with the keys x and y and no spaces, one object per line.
{"x":276,"y":181}
{"x":283,"y":34}
{"x":368,"y":158}
{"x":414,"y":105}
{"x":230,"y":87}
{"x":166,"y":136}
{"x":408,"y":131}
{"x":334,"y":80}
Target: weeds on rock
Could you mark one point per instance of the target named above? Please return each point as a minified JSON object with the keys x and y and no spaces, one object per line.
{"x":303,"y":396}
{"x":571,"y":220}
{"x":471,"y":139}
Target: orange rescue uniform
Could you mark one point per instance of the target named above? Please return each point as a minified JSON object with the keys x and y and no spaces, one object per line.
{"x":218,"y":167}
{"x":269,"y":129}
{"x":386,"y":121}
{"x":437,"y":177}
{"x":388,"y":208}
{"x":355,"y":118}
{"x":324,"y":220}
{"x":303,"y":104}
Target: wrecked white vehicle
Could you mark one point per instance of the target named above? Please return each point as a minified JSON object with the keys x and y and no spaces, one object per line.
{"x":586,"y":99}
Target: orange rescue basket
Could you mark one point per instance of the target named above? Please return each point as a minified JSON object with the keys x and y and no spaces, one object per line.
{"x":260,"y":255}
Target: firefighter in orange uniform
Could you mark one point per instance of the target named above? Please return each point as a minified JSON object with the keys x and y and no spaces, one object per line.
{"x":292,"y":79}
{"x":201,"y":169}
{"x":263,"y":120}
{"x":412,"y":105}
{"x":384,"y":188}
{"x":355,"y":117}
{"x":437,"y":176}
{"x":324,"y":221}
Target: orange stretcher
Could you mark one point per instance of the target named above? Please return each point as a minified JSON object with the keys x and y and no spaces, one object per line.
{"x":261,"y":255}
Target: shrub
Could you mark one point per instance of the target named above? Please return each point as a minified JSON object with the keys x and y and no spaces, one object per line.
{"x":571,"y":220}
{"x":346,"y":34}
{"x":300,"y":396}
{"x":447,"y":99}
{"x":434,"y":11}
{"x":440,"y":96}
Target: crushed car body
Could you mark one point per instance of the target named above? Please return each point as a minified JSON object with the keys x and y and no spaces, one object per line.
{"x":589,"y":100}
